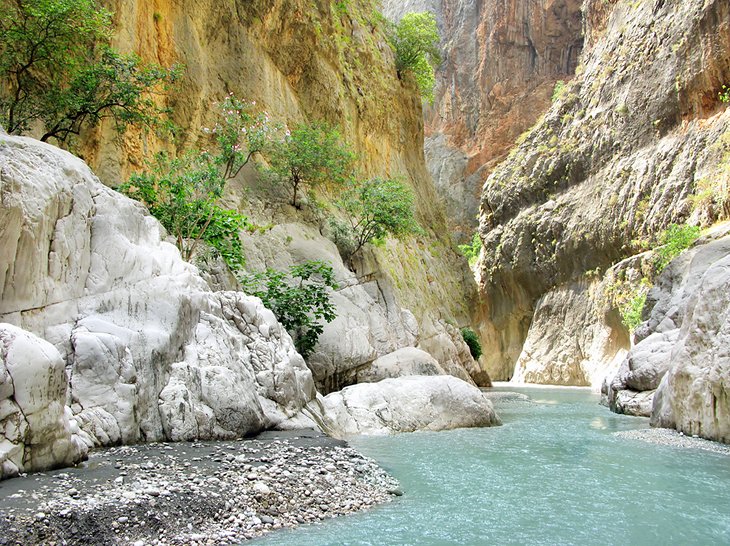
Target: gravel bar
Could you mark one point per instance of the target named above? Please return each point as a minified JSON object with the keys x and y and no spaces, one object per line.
{"x":201,"y":493}
{"x":670,"y":437}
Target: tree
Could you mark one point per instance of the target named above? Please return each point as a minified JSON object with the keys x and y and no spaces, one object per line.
{"x":240,"y":133}
{"x":310,"y":155}
{"x":58,"y":70}
{"x":416,"y":43}
{"x":182,"y":193}
{"x":300,"y":299}
{"x":373,"y":210}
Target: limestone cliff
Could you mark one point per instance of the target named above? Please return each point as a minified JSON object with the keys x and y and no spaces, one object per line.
{"x":311,"y":60}
{"x":615,"y":160}
{"x":501,"y":62}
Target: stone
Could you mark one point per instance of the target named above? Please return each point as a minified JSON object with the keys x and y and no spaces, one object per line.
{"x":403,"y":362}
{"x":404,"y":404}
{"x":35,"y":432}
{"x":151,"y":351}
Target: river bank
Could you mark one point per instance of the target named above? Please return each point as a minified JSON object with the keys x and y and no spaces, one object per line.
{"x":201,"y":493}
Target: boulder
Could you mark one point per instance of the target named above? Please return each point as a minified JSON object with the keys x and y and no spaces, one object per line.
{"x":150,"y":351}
{"x":36,"y":430}
{"x":404,"y":404}
{"x":403,"y":362}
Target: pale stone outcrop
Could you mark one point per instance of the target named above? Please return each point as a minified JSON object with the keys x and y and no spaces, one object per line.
{"x":403,"y":362}
{"x":151,"y":353}
{"x":403,"y":404}
{"x":36,"y":429}
{"x":679,"y":371}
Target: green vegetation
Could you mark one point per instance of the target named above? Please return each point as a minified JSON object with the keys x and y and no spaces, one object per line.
{"x":309,"y":156}
{"x":631,"y":310}
{"x":472,"y":340}
{"x":724,"y":94}
{"x":181,"y":193}
{"x":299,"y":298}
{"x":472,"y":250}
{"x":374,"y":209}
{"x":673,"y":241}
{"x":240,"y":133}
{"x":416,"y":43}
{"x":559,"y":90}
{"x":61,"y":74}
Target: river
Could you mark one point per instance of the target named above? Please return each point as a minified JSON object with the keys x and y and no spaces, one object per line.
{"x":554,"y":473}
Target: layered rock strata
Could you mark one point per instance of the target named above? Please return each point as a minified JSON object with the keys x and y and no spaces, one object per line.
{"x":616,"y":159}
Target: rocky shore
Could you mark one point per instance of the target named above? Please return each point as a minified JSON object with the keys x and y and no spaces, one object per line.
{"x":200,"y":493}
{"x":669,"y":437}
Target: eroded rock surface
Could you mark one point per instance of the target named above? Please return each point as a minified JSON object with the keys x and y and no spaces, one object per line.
{"x":405,"y":404}
{"x":679,"y":371}
{"x":615,"y":160}
{"x":151,"y":353}
{"x":36,"y":429}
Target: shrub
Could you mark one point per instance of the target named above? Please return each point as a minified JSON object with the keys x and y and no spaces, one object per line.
{"x":724,"y":94}
{"x":673,"y":241}
{"x":416,"y":43}
{"x":310,"y":155}
{"x":240,"y":133}
{"x":61,"y":72}
{"x":181,"y":193}
{"x":472,"y":340}
{"x":300,"y":299}
{"x":558,"y":90}
{"x":632,"y":308}
{"x":374,"y":209}
{"x":472,"y":250}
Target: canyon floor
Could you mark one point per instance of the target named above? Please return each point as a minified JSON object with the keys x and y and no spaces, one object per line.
{"x":199,"y":493}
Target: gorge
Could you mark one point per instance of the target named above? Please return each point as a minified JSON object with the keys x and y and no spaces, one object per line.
{"x":585,"y":143}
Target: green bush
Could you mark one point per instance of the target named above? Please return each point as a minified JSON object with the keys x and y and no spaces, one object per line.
{"x":300,"y":299}
{"x":724,"y":95}
{"x":416,"y":43}
{"x":673,"y":241}
{"x":58,"y":70}
{"x":181,"y":193}
{"x":309,"y":156}
{"x":472,"y":340}
{"x":558,"y":90}
{"x":632,"y":308}
{"x":373,"y":209}
{"x":472,"y":250}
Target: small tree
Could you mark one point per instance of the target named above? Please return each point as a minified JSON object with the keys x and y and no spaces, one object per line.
{"x":310,"y":155}
{"x":58,"y":70}
{"x":472,"y":340}
{"x":240,"y":133}
{"x":181,"y":193}
{"x":374,"y":209}
{"x":416,"y":43}
{"x":300,"y":299}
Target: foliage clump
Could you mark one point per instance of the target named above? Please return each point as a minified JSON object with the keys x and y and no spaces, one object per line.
{"x":182,"y":193}
{"x":415,"y":40}
{"x":309,"y":156}
{"x":472,"y":250}
{"x":300,"y":299}
{"x":61,"y":74}
{"x":373,"y":210}
{"x":673,"y":241}
{"x":472,"y":340}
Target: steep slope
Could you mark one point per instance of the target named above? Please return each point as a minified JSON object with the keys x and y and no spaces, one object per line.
{"x":501,"y":62}
{"x":615,"y":160}
{"x":310,"y":60}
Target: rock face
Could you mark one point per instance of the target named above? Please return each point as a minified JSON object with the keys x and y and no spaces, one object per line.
{"x":309,"y":61}
{"x":617,"y":158}
{"x":37,"y":432}
{"x":405,"y":404}
{"x":679,"y":371}
{"x":150,"y":352}
{"x":501,"y":62}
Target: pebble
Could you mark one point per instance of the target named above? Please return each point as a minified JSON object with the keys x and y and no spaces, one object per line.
{"x":261,"y":487}
{"x":669,"y":437}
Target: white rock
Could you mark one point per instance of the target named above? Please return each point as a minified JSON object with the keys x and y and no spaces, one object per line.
{"x":405,"y":404}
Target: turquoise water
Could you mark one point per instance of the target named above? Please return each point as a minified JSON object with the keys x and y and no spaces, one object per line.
{"x":552,"y":474}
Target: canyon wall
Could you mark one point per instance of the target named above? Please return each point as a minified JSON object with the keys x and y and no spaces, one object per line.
{"x":636,"y":141}
{"x":307,"y":61}
{"x":501,"y":62}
